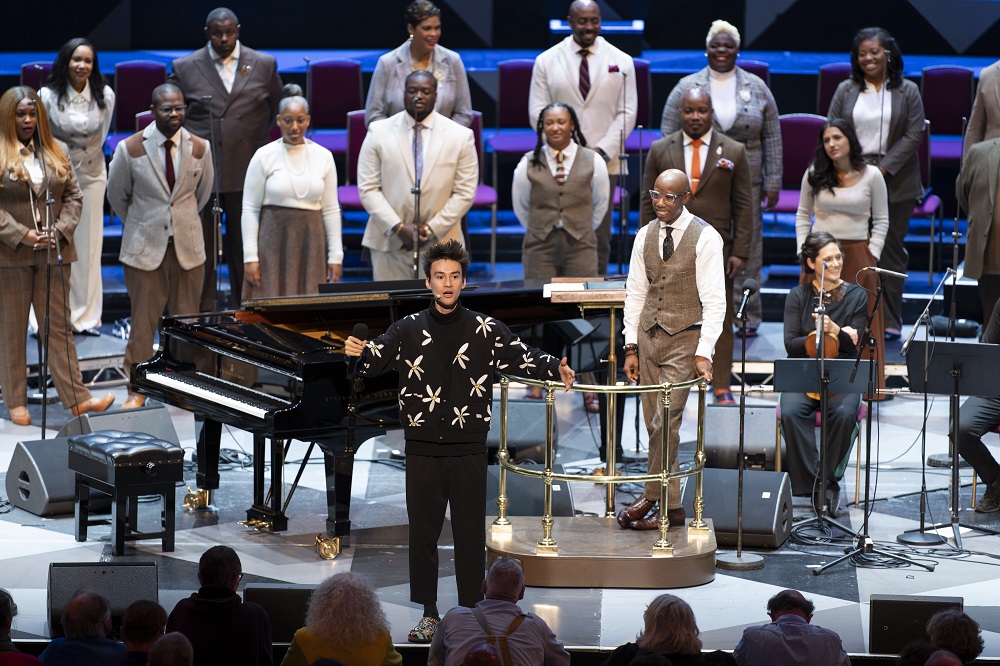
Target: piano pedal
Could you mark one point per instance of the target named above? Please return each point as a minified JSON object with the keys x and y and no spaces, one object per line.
{"x":197,"y":500}
{"x":327,"y":547}
{"x":255,"y":523}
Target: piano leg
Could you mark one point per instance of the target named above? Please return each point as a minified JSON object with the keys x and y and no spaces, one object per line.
{"x":339,"y":472}
{"x":266,"y":511}
{"x":208,"y":455}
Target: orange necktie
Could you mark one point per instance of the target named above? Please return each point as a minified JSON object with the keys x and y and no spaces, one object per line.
{"x":695,"y":164}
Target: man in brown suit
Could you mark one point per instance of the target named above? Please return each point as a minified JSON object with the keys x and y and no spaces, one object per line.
{"x":720,"y":194}
{"x":238,"y":90}
{"x":976,"y":192}
{"x":162,"y":250}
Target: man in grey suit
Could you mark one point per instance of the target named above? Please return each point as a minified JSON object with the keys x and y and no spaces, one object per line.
{"x":158,"y":181}
{"x":393,"y":152}
{"x":231,"y":91}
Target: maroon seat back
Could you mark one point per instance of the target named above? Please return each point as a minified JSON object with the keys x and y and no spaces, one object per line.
{"x":134,"y":84}
{"x":830,"y":77}
{"x":513,"y":88}
{"x":356,"y":132}
{"x":799,"y":137}
{"x":35,"y":74}
{"x":758,"y":68}
{"x":333,"y":88}
{"x":143,"y":119}
{"x":947,"y":93}
{"x":644,"y":93}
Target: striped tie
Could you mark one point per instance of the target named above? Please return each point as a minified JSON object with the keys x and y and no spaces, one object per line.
{"x":584,"y":73}
{"x":668,"y":244}
{"x":560,"y":169}
{"x":695,"y":164}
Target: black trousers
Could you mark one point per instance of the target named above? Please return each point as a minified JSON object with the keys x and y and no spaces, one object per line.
{"x":432,"y":484}
{"x":231,"y":204}
{"x":798,"y":426}
{"x":976,"y":417}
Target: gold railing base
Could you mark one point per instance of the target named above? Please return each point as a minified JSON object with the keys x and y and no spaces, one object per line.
{"x":501,"y":529}
{"x":663,"y":551}
{"x":546,"y":550}
{"x":698,"y":532}
{"x":595,"y":552}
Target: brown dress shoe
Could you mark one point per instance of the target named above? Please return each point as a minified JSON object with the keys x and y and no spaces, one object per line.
{"x":134,"y":401}
{"x":93,"y":405}
{"x":635,"y":511}
{"x":676,"y":516}
{"x":650,"y":522}
{"x":20,"y":416}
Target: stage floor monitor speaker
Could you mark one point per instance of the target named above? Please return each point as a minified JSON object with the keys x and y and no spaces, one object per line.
{"x":767,"y":506}
{"x":40,"y":481}
{"x":120,"y":582}
{"x":285,"y":604}
{"x":152,"y":419}
{"x":524,"y":494}
{"x":722,"y":436}
{"x":525,"y":430}
{"x":895,"y":620}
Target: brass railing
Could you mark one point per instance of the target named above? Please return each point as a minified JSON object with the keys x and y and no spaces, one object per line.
{"x":547,"y":544}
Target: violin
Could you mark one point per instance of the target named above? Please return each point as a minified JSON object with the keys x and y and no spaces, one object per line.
{"x":831,"y":349}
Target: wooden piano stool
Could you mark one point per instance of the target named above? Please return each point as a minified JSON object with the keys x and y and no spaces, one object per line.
{"x":125,"y":465}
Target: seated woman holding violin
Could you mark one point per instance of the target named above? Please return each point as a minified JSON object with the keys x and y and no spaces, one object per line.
{"x":846,"y":309}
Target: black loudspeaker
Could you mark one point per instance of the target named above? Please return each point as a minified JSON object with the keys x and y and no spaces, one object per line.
{"x":285,"y":604}
{"x":767,"y":506}
{"x":524,"y":494}
{"x":722,"y":436}
{"x":121,"y":582}
{"x":153,"y":420}
{"x":525,"y":431}
{"x":895,"y":621}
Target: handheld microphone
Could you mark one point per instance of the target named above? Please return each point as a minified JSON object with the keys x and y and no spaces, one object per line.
{"x":360,"y":331}
{"x":750,"y":287}
{"x":306,"y":58}
{"x":883,"y":271}
{"x":206,"y":98}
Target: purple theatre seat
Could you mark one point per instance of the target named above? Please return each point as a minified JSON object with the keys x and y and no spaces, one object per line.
{"x":929,"y":206}
{"x":830,"y":77}
{"x":143,"y":120}
{"x":758,"y":68}
{"x":347,"y":194}
{"x":799,"y":135}
{"x":134,"y":84}
{"x":644,"y":106}
{"x":486,"y":196}
{"x":947,"y":93}
{"x":513,"y":136}
{"x":35,"y":74}
{"x":333,"y":88}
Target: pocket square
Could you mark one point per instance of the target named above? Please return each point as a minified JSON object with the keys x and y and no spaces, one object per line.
{"x":725,"y":164}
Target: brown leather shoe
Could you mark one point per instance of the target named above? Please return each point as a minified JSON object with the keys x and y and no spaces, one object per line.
{"x":93,"y":405}
{"x":635,"y":511}
{"x":20,"y":416}
{"x":650,"y":522}
{"x":134,"y":401}
{"x":676,"y":516}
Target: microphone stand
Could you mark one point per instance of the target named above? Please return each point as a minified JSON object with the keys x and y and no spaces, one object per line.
{"x":51,"y":233}
{"x":621,"y":180}
{"x":741,"y":561}
{"x":415,"y":191}
{"x":920,"y":537}
{"x":216,"y":209}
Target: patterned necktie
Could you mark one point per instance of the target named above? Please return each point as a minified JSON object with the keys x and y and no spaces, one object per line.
{"x":418,"y":152}
{"x":168,"y":146}
{"x":695,"y":164}
{"x":560,"y":169}
{"x":584,"y":73}
{"x":668,"y":244}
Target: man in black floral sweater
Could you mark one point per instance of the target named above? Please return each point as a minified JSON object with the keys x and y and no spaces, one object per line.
{"x":446,"y":357}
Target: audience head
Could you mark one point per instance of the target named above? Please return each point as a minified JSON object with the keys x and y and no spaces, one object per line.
{"x":953,"y":630}
{"x":220,"y":566}
{"x":448,"y":250}
{"x":915,"y":654}
{"x":791,"y":602}
{"x":671,"y":191}
{"x":423,"y":22}
{"x":172,"y":649}
{"x":75,"y":65}
{"x":169,"y":109}
{"x":222,"y":29}
{"x":670,"y":627}
{"x":483,"y":654}
{"x":722,"y":45}
{"x":344,"y":611}
{"x":837,"y":141}
{"x":8,"y":610}
{"x":585,"y":21}
{"x":143,"y":622}
{"x":293,"y":114}
{"x":557,"y":126}
{"x":814,"y":249}
{"x":420,"y":94}
{"x":87,"y":615}
{"x":504,"y":580}
{"x":875,"y":57}
{"x":696,"y":112}
{"x":943,"y":658}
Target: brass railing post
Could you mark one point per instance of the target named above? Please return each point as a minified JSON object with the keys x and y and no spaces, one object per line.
{"x":698,"y":526}
{"x":663,"y":545}
{"x":612,"y":430}
{"x":547,"y":544}
{"x":502,"y":523}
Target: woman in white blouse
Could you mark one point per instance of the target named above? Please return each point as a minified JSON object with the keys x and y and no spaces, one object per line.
{"x":80,"y":105}
{"x":291,"y":216}
{"x":846,"y":197}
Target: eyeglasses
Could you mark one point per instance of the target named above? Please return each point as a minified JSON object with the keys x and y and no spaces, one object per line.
{"x":170,"y":109}
{"x":672,"y":198}
{"x":239,"y":576}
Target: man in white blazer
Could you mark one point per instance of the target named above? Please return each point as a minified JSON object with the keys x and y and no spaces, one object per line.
{"x":158,"y":182}
{"x":602,"y":93}
{"x":391,"y":154}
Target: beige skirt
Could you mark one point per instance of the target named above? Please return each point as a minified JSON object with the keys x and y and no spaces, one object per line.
{"x":292,"y":251}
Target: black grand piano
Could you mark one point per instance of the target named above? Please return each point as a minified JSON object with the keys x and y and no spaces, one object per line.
{"x":277,"y":370}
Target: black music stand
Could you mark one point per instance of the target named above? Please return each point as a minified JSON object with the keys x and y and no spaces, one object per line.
{"x":801,"y":375}
{"x":955,"y":369}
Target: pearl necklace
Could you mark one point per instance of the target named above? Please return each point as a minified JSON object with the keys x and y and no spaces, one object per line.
{"x":294,"y":175}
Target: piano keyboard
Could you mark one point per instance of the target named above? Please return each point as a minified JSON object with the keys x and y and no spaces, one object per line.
{"x":242,"y":399}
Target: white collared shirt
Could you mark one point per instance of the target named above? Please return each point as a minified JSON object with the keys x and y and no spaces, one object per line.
{"x":710,"y":278}
{"x":706,"y":139}
{"x":872,"y":114}
{"x":29,"y":157}
{"x":226,"y":67}
{"x":599,"y":184}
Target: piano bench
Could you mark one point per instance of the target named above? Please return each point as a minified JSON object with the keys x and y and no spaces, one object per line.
{"x":125,"y":465}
